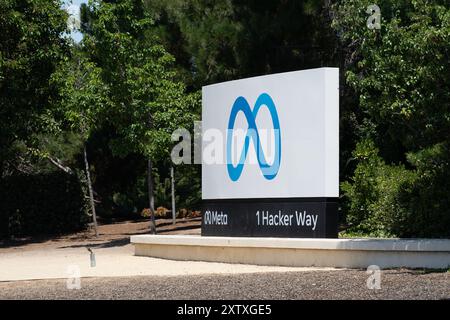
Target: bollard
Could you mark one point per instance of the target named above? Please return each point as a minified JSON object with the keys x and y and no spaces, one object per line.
{"x":92,"y":256}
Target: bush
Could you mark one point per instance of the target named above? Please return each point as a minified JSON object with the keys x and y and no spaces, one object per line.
{"x":46,"y":203}
{"x":160,"y":212}
{"x":124,"y":205}
{"x":427,"y":201}
{"x":372,"y":196}
{"x":182,"y":213}
{"x":392,"y":201}
{"x":185,"y":213}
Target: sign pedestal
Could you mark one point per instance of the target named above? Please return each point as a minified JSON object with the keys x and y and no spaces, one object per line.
{"x":295,"y":252}
{"x":288,"y":218}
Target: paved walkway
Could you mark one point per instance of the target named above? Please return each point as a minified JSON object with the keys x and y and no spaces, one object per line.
{"x":116,"y":261}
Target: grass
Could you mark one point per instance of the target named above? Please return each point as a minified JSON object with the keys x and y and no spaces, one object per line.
{"x":352,"y":234}
{"x":432,"y":270}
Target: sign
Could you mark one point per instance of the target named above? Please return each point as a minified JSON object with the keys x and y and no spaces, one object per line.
{"x":271,"y":155}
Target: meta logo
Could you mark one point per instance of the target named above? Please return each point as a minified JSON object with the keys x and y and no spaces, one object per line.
{"x":269,"y":171}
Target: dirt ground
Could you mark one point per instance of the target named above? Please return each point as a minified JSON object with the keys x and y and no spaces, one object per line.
{"x":37,"y":268}
{"x":115,"y":233}
{"x":37,"y":259}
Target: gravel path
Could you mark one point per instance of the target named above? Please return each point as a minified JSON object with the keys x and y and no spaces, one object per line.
{"x":340,"y":284}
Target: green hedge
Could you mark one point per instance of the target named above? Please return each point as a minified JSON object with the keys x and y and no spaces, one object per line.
{"x":48,"y":203}
{"x":386,"y":200}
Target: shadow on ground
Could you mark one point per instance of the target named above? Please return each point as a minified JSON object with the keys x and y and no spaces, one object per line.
{"x":110,"y":234}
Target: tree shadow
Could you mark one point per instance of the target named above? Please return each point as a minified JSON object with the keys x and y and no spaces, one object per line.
{"x":181,"y":228}
{"x":86,"y":236}
{"x":20,"y":242}
{"x":125,"y":240}
{"x":107,"y":244}
{"x":23,"y":241}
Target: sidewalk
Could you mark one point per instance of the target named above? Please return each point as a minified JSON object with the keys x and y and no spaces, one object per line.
{"x":116,"y":261}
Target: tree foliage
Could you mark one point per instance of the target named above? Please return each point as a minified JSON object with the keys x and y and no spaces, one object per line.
{"x":136,"y":75}
{"x":229,"y":39}
{"x":401,"y":76}
{"x":401,"y":73}
{"x":147,"y":103}
{"x":31,"y":44}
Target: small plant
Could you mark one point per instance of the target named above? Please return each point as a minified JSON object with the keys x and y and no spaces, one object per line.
{"x":146,"y":213}
{"x":182,"y":213}
{"x":160,"y":212}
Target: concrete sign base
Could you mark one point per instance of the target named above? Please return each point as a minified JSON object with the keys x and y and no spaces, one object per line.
{"x":297,"y":252}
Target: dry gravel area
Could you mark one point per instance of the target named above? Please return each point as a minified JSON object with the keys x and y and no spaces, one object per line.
{"x":339,"y":284}
{"x":179,"y":280}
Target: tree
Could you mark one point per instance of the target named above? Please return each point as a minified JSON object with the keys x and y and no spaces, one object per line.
{"x":147,"y":104}
{"x":84,"y":101}
{"x":401,"y":72}
{"x":229,"y":39}
{"x":401,"y":76}
{"x":31,"y":45}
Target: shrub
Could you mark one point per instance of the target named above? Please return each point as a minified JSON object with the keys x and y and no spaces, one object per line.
{"x":146,"y":213}
{"x":160,"y":212}
{"x":185,"y":213}
{"x":427,"y":201}
{"x":372,"y":206}
{"x":390,"y":200}
{"x":195,"y":214}
{"x":46,"y":203}
{"x":182,"y":213}
{"x":124,"y":205}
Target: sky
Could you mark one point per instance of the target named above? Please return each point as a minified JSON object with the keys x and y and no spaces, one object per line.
{"x":73,"y":8}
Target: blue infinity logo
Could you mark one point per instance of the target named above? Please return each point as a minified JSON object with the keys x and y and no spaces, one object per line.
{"x":268,"y":171}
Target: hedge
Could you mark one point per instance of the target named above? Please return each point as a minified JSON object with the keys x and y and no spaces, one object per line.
{"x":386,"y":200}
{"x":44,"y":204}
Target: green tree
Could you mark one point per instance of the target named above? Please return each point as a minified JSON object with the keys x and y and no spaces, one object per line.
{"x":401,"y":72}
{"x":401,"y":76}
{"x":83,"y":104}
{"x":31,"y":45}
{"x":147,"y":104}
{"x":229,"y":39}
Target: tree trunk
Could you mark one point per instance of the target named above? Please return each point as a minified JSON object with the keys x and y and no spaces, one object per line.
{"x":91,"y":193}
{"x":172,"y":178}
{"x":151,"y":198}
{"x":56,"y":162}
{"x":1,"y":167}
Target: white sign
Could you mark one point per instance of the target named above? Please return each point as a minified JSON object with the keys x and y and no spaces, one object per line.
{"x":274,"y":136}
